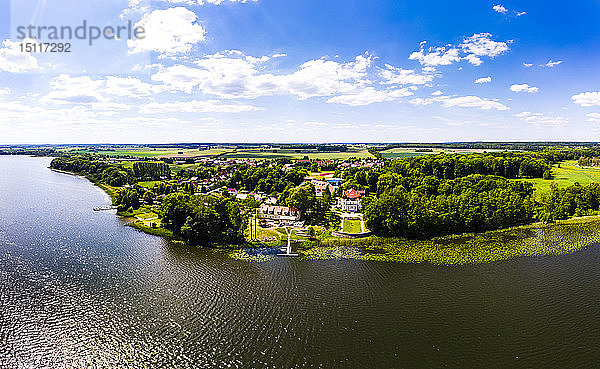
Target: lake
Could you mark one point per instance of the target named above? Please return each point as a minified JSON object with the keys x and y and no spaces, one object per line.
{"x":80,"y":289}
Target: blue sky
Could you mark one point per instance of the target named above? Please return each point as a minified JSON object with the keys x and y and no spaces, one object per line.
{"x":305,"y":71}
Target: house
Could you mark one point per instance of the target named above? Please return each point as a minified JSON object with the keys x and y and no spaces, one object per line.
{"x":350,"y":201}
{"x":334,"y":181}
{"x":321,"y":187}
{"x":279,"y":214}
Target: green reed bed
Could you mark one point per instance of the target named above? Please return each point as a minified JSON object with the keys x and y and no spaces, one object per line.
{"x":531,"y":240}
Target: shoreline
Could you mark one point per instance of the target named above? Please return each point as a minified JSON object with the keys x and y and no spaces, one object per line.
{"x":376,"y":248}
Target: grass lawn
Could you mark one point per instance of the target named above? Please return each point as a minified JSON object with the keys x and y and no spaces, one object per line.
{"x":568,"y":173}
{"x":352,"y":226}
{"x":149,"y":184}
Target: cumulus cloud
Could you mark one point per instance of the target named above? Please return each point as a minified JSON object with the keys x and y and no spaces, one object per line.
{"x":500,"y":9}
{"x":483,"y":80}
{"x":471,"y":49}
{"x":392,"y":75}
{"x":524,"y":88}
{"x":541,"y":120}
{"x":13,"y":60}
{"x":437,"y":93}
{"x":481,"y":44}
{"x":326,"y":77}
{"x":587,"y":99}
{"x":436,"y":56}
{"x":232,"y":75}
{"x":471,"y":102}
{"x":74,"y":90}
{"x":169,"y":31}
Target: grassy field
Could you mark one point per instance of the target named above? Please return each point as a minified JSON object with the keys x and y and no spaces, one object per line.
{"x":568,"y":173}
{"x":146,"y":152}
{"x":292,"y":154}
{"x":352,"y":226}
{"x":403,"y":152}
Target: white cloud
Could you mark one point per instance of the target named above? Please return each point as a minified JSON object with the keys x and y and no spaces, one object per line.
{"x":13,"y":60}
{"x":437,"y":93}
{"x":436,"y":56}
{"x":141,"y":6}
{"x":500,"y":9}
{"x":316,"y":124}
{"x":541,"y":120}
{"x":4,"y":91}
{"x":170,"y":31}
{"x":326,"y":78}
{"x":587,"y":99}
{"x":471,"y":102}
{"x":471,"y":49}
{"x":234,"y":75}
{"x":369,"y":95}
{"x":196,"y":106}
{"x":483,"y":80}
{"x":202,"y":2}
{"x":527,"y":65}
{"x":551,"y":64}
{"x":473,"y":59}
{"x":421,"y":101}
{"x":521,"y":13}
{"x":130,"y":86}
{"x":481,"y":44}
{"x":74,"y":90}
{"x":392,"y":75}
{"x":524,"y":88}
{"x":594,"y":117}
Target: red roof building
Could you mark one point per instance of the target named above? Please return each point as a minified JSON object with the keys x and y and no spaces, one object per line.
{"x":353,"y":194}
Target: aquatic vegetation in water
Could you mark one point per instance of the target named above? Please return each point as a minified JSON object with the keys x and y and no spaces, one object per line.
{"x":532,"y":240}
{"x":255,"y":254}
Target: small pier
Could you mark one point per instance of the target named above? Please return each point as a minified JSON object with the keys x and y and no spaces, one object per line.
{"x":105,"y":208}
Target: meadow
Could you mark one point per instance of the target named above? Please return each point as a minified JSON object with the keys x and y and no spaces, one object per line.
{"x":566,"y":174}
{"x":147,"y":152}
{"x":406,"y":152}
{"x":295,"y":154}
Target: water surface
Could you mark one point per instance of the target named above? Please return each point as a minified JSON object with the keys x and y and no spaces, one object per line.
{"x":78,"y":289}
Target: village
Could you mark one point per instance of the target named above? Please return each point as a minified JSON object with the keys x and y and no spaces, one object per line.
{"x":267,"y":213}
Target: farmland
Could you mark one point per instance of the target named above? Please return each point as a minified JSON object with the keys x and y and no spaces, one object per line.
{"x":295,"y":154}
{"x":566,"y":174}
